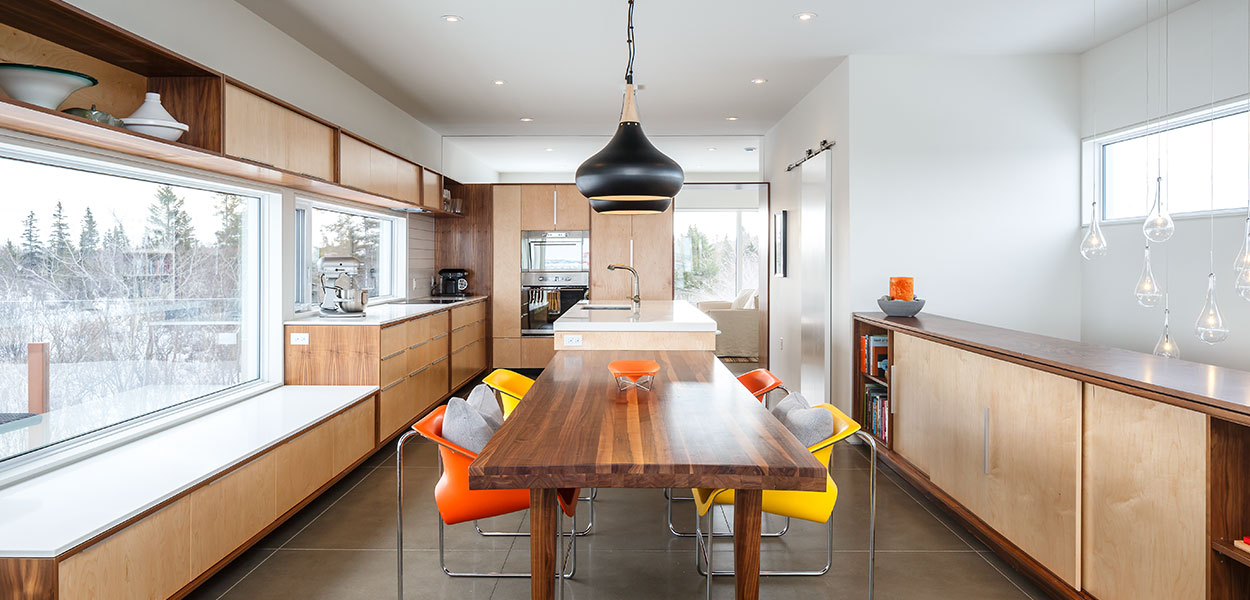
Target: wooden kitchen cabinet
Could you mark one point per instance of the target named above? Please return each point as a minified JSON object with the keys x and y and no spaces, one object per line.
{"x":572,"y":209}
{"x":536,"y":352}
{"x":266,"y":132}
{"x":369,"y":168}
{"x":916,"y":375}
{"x":1144,"y":524}
{"x":642,"y":241}
{"x":431,"y":189}
{"x":553,"y":208}
{"x":505,"y":297}
{"x":506,"y":353}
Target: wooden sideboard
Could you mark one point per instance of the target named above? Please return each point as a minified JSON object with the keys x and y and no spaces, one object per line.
{"x":1101,"y":473}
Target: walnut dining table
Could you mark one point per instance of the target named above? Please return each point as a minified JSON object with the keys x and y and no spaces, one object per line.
{"x":696,"y":428}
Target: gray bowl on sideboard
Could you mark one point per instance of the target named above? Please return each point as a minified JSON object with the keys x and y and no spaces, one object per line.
{"x":900,"y":308}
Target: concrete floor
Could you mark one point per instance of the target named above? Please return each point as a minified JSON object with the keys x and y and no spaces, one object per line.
{"x":342,"y":547}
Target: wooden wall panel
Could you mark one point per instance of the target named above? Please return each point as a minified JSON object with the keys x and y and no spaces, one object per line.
{"x":505,"y":298}
{"x":572,"y":209}
{"x":28,"y":578}
{"x":1144,"y":525}
{"x":303,"y":465}
{"x":335,"y":355}
{"x":636,"y":340}
{"x":119,"y":92}
{"x":609,"y":244}
{"x":229,"y":511}
{"x":466,"y":243}
{"x":538,"y":204}
{"x":149,"y":559}
{"x":653,"y":254}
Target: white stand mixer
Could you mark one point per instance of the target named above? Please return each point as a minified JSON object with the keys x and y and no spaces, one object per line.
{"x":341,"y":293}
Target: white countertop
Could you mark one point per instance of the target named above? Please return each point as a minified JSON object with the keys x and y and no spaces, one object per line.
{"x":652,"y":315}
{"x":52,"y":512}
{"x":381,"y":314}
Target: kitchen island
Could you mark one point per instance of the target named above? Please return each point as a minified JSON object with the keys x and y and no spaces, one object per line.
{"x":618,"y":325}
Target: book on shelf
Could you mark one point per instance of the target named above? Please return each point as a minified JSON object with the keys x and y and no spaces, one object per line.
{"x":877,"y":411}
{"x":873,"y":349}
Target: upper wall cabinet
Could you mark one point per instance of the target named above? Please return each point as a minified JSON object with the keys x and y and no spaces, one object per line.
{"x":431,"y":190}
{"x":554,"y":207}
{"x":367,"y":167}
{"x":266,"y":132}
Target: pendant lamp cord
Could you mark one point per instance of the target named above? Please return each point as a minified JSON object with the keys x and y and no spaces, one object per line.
{"x":629,"y":41}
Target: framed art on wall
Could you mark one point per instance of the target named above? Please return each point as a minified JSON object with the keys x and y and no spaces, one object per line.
{"x":779,"y":243}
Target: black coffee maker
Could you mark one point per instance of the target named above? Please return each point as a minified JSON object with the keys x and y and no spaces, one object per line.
{"x":453,"y":282}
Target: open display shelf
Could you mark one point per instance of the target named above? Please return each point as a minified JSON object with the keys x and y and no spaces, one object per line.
{"x":863,"y":413}
{"x":54,"y":33}
{"x":1228,"y":509}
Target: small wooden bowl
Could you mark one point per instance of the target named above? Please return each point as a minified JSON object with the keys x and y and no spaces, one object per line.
{"x":634,"y":373}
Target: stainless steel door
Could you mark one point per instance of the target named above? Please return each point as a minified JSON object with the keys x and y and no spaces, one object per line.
{"x":816,"y":207}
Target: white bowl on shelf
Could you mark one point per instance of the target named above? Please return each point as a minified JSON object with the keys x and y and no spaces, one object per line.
{"x":152,"y":118}
{"x":42,"y":86}
{"x":166,"y":130}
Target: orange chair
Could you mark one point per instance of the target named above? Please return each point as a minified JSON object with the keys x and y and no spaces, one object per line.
{"x":761,"y":381}
{"x":458,"y":504}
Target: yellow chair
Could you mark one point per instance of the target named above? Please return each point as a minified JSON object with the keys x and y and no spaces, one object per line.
{"x":511,"y":387}
{"x":810,"y":506}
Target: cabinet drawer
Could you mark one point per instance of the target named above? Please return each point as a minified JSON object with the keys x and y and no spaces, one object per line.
{"x":466,"y":362}
{"x":418,"y":331}
{"x":393,"y":338}
{"x":393,"y":369}
{"x":396,"y":407}
{"x":439,"y":324}
{"x":439,"y":378}
{"x":416,"y":358}
{"x":353,"y":435}
{"x":438,"y":347}
{"x":149,"y":559}
{"x":303,"y":465}
{"x":229,"y":511}
{"x":463,"y":315}
{"x":467,"y":335}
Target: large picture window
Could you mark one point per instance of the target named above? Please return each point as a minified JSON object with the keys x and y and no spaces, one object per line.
{"x":1201,"y":156}
{"x":141,"y":294}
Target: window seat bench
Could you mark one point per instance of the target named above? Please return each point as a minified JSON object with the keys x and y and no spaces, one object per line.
{"x":157,"y":515}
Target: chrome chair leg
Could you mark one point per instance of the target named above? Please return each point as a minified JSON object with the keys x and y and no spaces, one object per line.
{"x":399,"y":511}
{"x":872,"y":508}
{"x":673,"y":528}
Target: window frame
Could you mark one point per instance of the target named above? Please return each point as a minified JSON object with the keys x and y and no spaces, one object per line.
{"x":1093,"y":158}
{"x":395,"y":253}
{"x":265,"y":323}
{"x":738,"y":241}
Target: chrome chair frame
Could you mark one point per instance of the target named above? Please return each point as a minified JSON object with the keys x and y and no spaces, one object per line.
{"x":563,"y":560}
{"x":703,"y":550}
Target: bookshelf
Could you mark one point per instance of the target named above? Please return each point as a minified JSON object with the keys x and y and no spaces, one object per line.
{"x":871,"y":390}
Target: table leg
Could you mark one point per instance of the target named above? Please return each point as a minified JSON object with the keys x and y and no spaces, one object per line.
{"x":747,"y":515}
{"x":543,"y":544}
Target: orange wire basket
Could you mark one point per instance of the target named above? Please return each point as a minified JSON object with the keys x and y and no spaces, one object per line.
{"x":634,"y":373}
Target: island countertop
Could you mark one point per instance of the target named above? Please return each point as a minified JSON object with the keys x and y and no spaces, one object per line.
{"x":651,"y":316}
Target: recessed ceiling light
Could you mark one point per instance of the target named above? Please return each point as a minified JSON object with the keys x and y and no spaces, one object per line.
{"x":805,"y":16}
{"x":549,"y":149}
{"x":731,"y":118}
{"x":759,"y":81}
{"x":711,"y":149}
{"x":453,"y":18}
{"x":750,"y":148}
{"x":498,"y":82}
{"x":526,"y":120}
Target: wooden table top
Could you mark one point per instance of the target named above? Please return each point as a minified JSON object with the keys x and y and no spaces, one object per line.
{"x":698,"y":427}
{"x":1218,"y":391}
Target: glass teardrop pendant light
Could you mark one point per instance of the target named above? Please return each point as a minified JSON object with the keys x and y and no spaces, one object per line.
{"x":629,"y":176}
{"x":1148,"y":293}
{"x":1159,"y":226}
{"x":1210,"y":327}
{"x":1165,"y":347}
{"x":1242,"y":262}
{"x":1094,"y":244}
{"x":1242,"y":284}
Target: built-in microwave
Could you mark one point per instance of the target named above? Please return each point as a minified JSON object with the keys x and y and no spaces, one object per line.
{"x":555,"y":251}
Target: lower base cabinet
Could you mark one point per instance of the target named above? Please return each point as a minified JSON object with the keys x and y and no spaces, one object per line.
{"x":160,"y":554}
{"x":1145,"y":507}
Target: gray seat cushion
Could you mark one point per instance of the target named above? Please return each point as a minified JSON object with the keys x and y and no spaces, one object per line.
{"x":482,"y":399}
{"x":808,"y":423}
{"x":465,"y":427}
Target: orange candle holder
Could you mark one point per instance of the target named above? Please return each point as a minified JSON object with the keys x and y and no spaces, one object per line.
{"x":634,"y":373}
{"x":902,"y":288}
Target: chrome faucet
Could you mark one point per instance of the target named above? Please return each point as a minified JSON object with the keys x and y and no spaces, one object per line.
{"x":637,"y":298}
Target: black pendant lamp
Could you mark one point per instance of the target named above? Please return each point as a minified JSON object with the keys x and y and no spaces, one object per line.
{"x":629,"y":176}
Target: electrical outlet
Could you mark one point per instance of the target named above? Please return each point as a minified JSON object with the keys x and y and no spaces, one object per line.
{"x":782,"y":343}
{"x":299,"y":339}
{"x":572,"y":340}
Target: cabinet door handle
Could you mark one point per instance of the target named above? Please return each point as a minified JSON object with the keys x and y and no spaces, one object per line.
{"x":893,"y":392}
{"x":985,"y":442}
{"x":553,"y":208}
{"x":631,"y":252}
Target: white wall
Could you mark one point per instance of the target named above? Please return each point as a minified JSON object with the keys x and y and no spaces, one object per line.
{"x":965,"y":175}
{"x":1114,"y":96}
{"x":465,"y":167}
{"x":821,"y":115}
{"x":225,"y":36}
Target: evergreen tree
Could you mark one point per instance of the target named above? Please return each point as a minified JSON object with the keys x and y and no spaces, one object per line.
{"x":89,"y":237}
{"x":704,"y":266}
{"x":350,"y":235}
{"x":32,"y":250}
{"x":229,"y":208}
{"x":169,"y":225}
{"x":59,"y":240}
{"x":116,"y":239}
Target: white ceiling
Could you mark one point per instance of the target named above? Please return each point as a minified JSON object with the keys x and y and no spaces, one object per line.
{"x":529,"y":154}
{"x":563,"y":60}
